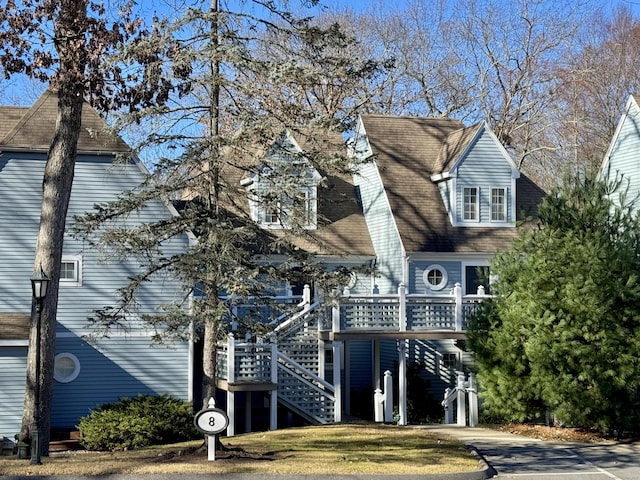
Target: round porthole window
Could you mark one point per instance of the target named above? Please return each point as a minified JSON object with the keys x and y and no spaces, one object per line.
{"x":435,"y":277}
{"x":66,"y":367}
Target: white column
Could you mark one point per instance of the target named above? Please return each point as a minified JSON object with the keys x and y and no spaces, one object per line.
{"x":231,"y":413}
{"x":337,"y":380}
{"x":273,"y":394}
{"x":231,"y":373}
{"x":402,"y":382}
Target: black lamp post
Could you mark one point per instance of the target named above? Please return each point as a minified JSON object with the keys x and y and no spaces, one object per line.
{"x":39,"y":284}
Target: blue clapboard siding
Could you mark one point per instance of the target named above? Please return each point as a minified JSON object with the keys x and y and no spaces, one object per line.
{"x":380,"y":221}
{"x":122,"y":366}
{"x":623,"y":157}
{"x":417,"y":269}
{"x":13,"y":372}
{"x":484,"y":167}
{"x":118,"y":366}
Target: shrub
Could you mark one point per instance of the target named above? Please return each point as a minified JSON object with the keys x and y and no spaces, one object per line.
{"x":137,"y":422}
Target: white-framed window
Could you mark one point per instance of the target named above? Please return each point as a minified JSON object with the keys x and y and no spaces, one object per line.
{"x":71,"y":271}
{"x":498,"y":204}
{"x":302,"y":209}
{"x":66,"y":367}
{"x":435,"y":277}
{"x":470,"y":204}
{"x":450,"y":361}
{"x":476,"y":275}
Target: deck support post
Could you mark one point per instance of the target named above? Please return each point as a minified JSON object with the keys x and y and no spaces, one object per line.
{"x":231,"y":373}
{"x":402,"y":381}
{"x":337,"y":379}
{"x":273,"y":394}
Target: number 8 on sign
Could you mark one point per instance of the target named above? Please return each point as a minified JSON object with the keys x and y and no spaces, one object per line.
{"x":211,"y":421}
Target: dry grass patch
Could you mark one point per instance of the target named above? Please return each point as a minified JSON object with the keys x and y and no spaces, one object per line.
{"x":334,"y":449}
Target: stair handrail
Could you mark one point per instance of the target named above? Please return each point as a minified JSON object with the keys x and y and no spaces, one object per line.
{"x":296,"y":316}
{"x":321,"y":381}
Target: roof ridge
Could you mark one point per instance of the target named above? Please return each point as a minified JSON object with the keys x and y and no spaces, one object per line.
{"x":30,"y":112}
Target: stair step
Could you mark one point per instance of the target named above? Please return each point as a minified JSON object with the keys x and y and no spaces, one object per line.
{"x":63,"y":440}
{"x":65,"y":445}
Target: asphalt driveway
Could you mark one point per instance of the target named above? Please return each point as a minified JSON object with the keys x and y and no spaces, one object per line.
{"x":516,"y":457}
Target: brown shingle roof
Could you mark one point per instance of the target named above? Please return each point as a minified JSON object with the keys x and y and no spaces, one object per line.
{"x":408,"y":150}
{"x":453,"y":147}
{"x":32,"y":129}
{"x":14,"y":326}
{"x":342,"y":230}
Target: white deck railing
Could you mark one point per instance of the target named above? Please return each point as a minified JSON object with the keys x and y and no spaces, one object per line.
{"x":405,"y":312}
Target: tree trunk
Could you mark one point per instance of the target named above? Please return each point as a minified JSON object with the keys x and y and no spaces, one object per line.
{"x":70,"y":28}
{"x":210,"y":346}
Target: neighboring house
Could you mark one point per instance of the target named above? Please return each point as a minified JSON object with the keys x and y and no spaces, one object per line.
{"x":439,"y":200}
{"x":621,"y":159}
{"x":86,"y":373}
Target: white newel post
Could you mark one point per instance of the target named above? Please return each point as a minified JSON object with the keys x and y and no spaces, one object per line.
{"x":378,"y":406}
{"x":473,"y":401}
{"x":461,"y":400}
{"x":448,"y":411}
{"x":306,"y":295}
{"x":335,"y":314}
{"x":457,"y":291}
{"x":231,"y":375}
{"x":273,"y":395}
{"x":388,"y":397}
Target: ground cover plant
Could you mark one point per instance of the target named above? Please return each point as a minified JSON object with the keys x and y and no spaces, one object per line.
{"x":334,"y":449}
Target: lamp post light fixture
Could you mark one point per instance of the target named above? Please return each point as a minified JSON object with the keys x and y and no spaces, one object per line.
{"x":39,"y":284}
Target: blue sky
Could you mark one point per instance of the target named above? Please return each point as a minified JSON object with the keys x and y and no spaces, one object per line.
{"x":21,"y":91}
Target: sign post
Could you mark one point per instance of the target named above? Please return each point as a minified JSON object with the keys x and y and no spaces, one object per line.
{"x":211,"y":421}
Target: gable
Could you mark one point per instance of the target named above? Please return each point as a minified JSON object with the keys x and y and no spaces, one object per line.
{"x":423,"y":166}
{"x":622,"y":155}
{"x":31,"y":129}
{"x":338,"y":223}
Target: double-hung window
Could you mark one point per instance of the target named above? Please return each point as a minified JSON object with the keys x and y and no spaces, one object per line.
{"x":470,"y":204}
{"x":498,"y":205}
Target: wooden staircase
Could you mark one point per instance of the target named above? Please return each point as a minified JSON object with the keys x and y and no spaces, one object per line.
{"x":301,"y":378}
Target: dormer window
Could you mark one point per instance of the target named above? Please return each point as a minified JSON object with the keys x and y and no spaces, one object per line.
{"x":470,"y":204}
{"x":283,"y":192}
{"x":498,"y":205}
{"x":285,"y":211}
